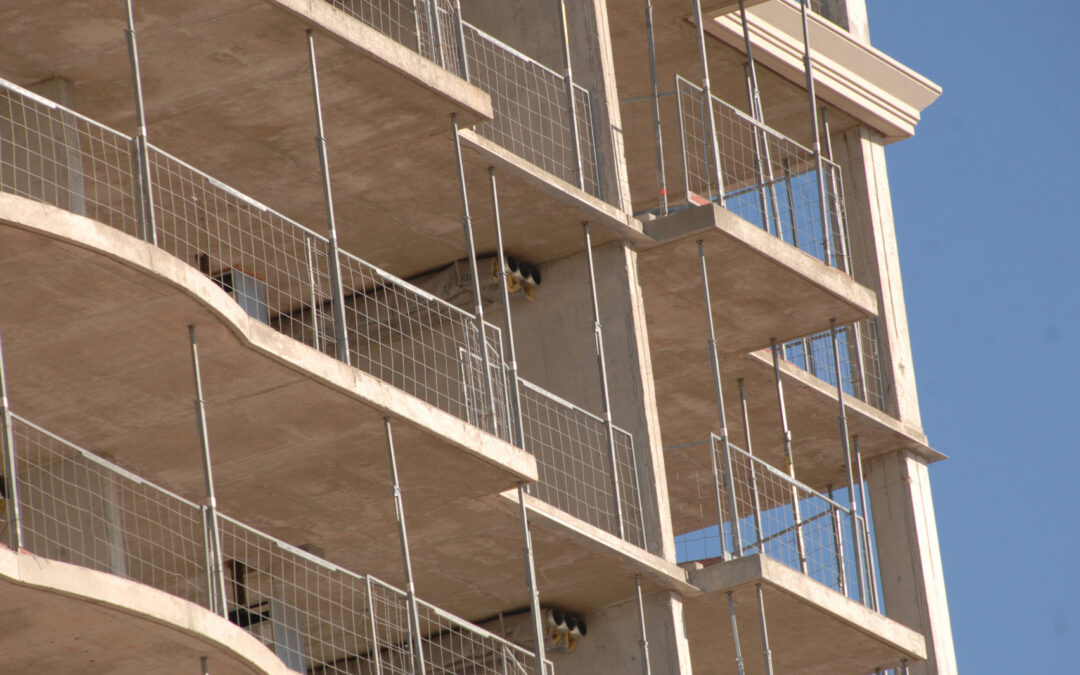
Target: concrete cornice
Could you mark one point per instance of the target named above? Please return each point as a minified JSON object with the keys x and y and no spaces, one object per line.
{"x":856,"y":78}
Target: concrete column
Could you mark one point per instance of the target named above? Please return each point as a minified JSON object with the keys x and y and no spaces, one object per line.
{"x":876,"y":262}
{"x":912,"y":580}
{"x":612,"y":643}
{"x":555,"y":345}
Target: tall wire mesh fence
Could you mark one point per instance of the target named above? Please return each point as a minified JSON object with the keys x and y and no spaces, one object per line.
{"x":574,"y":464}
{"x":317,"y":617}
{"x":531,"y":109}
{"x":764,"y":177}
{"x":275,"y":269}
{"x":861,"y":374}
{"x":747,"y":506}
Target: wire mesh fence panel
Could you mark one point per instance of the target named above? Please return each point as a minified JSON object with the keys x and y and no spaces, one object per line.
{"x":77,"y":508}
{"x":531,"y":111}
{"x":574,"y":465}
{"x":833,"y":10}
{"x":277,"y":270}
{"x":860,"y":363}
{"x":424,"y":346}
{"x":764,"y":177}
{"x":51,"y":155}
{"x":751,"y":507}
{"x":451,"y":646}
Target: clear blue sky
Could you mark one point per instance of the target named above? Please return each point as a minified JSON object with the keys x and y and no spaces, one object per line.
{"x":986,"y":206}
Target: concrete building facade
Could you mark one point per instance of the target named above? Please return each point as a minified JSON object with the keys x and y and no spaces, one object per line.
{"x":562,"y":337}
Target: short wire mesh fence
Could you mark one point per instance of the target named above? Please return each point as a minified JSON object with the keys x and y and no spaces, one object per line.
{"x":860,"y":361}
{"x":574,"y":464}
{"x":765,"y":177}
{"x":317,"y":617}
{"x":275,"y":269}
{"x":748,"y":506}
{"x":531,"y":109}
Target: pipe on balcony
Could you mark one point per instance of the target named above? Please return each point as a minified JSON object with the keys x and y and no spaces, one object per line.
{"x":142,"y":152}
{"x":735,"y":635}
{"x":646,"y":668}
{"x":814,"y":135}
{"x":800,"y":543}
{"x":661,"y":175}
{"x":707,"y":104}
{"x":11,"y":483}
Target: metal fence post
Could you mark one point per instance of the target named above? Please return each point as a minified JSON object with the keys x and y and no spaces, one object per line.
{"x":459,"y":25}
{"x":575,"y":141}
{"x":406,"y":560}
{"x":814,"y":134}
{"x":142,"y":151}
{"x":336,"y":292}
{"x":871,"y":575}
{"x":511,"y":351}
{"x":682,"y":137}
{"x":753,"y":470}
{"x":309,"y":254}
{"x":466,"y":224}
{"x":713,"y":142}
{"x":10,"y":477}
{"x":835,"y":201}
{"x":761,"y":140}
{"x":838,"y":543}
{"x":436,"y":33}
{"x":766,"y":651}
{"x":789,"y":459}
{"x":204,"y":665}
{"x":530,"y":581}
{"x":735,"y":634}
{"x":842,"y":419}
{"x":372,"y":625}
{"x":661,"y":175}
{"x":646,"y":667}
{"x":609,"y":428}
{"x":733,"y":504}
{"x":717,"y":488}
{"x":217,"y":573}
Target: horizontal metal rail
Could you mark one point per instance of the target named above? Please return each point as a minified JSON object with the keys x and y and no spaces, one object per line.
{"x":766,"y":178}
{"x":747,"y":508}
{"x":316,"y":616}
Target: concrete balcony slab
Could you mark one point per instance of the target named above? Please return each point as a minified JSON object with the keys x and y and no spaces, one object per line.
{"x":812,"y":629}
{"x":61,"y":618}
{"x":95,"y":340}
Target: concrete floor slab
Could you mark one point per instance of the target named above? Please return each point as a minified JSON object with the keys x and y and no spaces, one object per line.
{"x":61,"y":618}
{"x":812,"y":630}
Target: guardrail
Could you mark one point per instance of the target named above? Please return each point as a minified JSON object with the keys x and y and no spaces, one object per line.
{"x":575,"y":468}
{"x":860,"y":360}
{"x":764,"y":177}
{"x":748,"y":506}
{"x":317,"y":617}
{"x":280,"y":273}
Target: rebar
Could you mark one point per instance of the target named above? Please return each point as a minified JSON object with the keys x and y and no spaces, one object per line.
{"x":601,"y":362}
{"x":341,"y":341}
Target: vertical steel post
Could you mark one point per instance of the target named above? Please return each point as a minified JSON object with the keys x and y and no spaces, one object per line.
{"x":855,"y":330}
{"x":714,"y":361}
{"x":838,"y":543}
{"x":717,"y":494}
{"x":204,"y":665}
{"x":809,"y":68}
{"x":142,"y":150}
{"x":11,"y":482}
{"x":733,"y":503}
{"x":508,"y":324}
{"x":478,"y":314}
{"x":568,"y":76}
{"x":755,"y":498}
{"x":764,"y":632}
{"x":208,"y":560}
{"x":646,"y":667}
{"x":735,"y":634}
{"x":661,"y":175}
{"x":763,"y":161}
{"x":609,"y":428}
{"x":310,"y":258}
{"x":682,"y":136}
{"x":836,"y":203}
{"x":435,"y":31}
{"x":789,"y":459}
{"x":713,"y":141}
{"x":459,"y":27}
{"x":216,"y":576}
{"x":530,"y":581}
{"x":406,"y":561}
{"x":864,"y":506}
{"x":337,"y":294}
{"x":372,"y":625}
{"x":903,"y":667}
{"x":842,"y":419}
{"x":790,"y":193}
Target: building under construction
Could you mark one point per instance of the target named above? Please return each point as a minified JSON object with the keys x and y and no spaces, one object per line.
{"x":523,"y":337}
